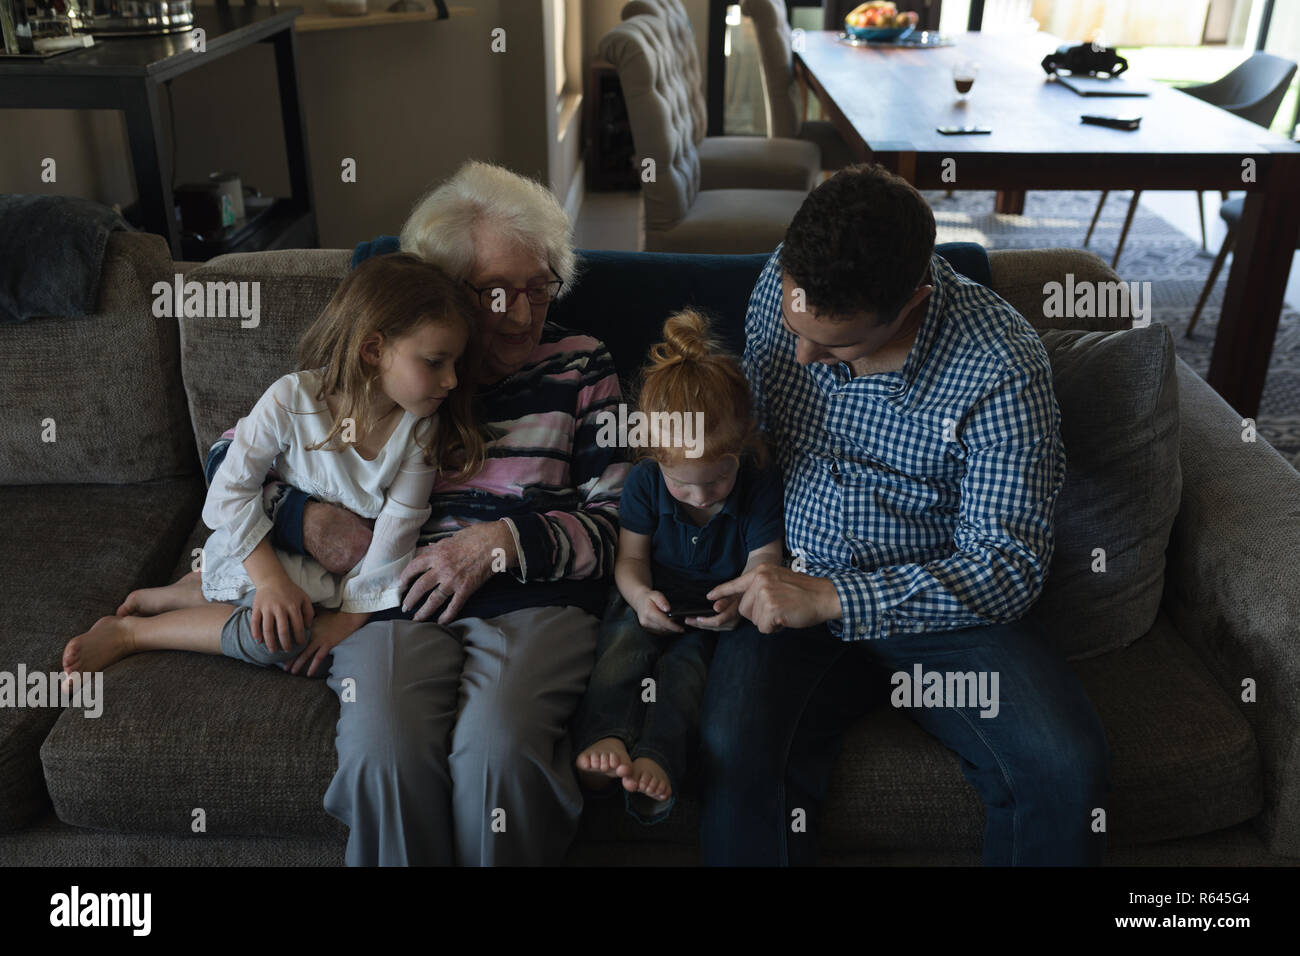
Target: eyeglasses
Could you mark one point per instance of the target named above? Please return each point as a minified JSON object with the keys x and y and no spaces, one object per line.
{"x":499,"y":298}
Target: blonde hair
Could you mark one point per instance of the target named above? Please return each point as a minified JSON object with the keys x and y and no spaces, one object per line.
{"x":394,"y":295}
{"x":442,"y":225}
{"x":691,"y":371}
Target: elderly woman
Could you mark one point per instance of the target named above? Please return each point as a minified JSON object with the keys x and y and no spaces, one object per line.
{"x":452,"y":735}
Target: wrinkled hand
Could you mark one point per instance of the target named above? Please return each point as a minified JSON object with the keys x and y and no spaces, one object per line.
{"x":281,"y":612}
{"x":651,"y":613}
{"x":450,"y":570}
{"x":774,"y":597}
{"x":335,"y":537}
{"x":724,"y":619}
{"x":330,"y":630}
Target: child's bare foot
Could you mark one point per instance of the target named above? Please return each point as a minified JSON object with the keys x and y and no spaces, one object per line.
{"x":649,"y":778}
{"x":108,"y":641}
{"x":187,"y":592}
{"x":604,"y":759}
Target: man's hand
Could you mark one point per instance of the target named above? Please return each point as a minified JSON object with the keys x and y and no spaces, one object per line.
{"x":334,"y":536}
{"x":774,"y":597}
{"x":723,"y":620}
{"x":452,"y":569}
{"x":330,"y":630}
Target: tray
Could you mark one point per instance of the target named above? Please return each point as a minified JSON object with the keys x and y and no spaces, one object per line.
{"x":916,"y":40}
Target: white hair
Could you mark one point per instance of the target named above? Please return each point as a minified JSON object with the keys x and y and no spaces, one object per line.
{"x":481,"y":195}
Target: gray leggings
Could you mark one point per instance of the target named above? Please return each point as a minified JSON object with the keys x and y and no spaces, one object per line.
{"x":237,"y":639}
{"x":453,"y":740}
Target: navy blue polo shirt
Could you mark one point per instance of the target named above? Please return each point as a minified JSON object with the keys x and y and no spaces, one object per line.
{"x":688,"y":560}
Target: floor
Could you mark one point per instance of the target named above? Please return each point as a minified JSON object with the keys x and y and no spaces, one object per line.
{"x":1179,"y":210}
{"x":612,"y":221}
{"x":609,"y":221}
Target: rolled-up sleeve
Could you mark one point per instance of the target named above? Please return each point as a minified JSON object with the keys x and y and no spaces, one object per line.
{"x":234,"y":499}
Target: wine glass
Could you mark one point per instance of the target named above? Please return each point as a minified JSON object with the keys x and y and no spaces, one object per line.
{"x":963,"y":76}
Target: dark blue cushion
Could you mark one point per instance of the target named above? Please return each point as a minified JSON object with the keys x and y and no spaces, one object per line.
{"x":623,"y":298}
{"x":380,"y":246}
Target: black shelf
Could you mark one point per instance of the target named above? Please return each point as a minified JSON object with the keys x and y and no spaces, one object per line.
{"x":285,"y":225}
{"x":127,"y":73}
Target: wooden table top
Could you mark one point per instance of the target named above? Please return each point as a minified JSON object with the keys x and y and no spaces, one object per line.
{"x":895,"y":98}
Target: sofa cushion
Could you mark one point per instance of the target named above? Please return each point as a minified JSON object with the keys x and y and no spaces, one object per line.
{"x":71,"y":553}
{"x":759,"y":162}
{"x":1118,"y":395}
{"x":294,"y":286}
{"x":253,"y":748}
{"x":1021,"y":276}
{"x":728,"y":222}
{"x":1183,"y":762}
{"x":98,"y":399}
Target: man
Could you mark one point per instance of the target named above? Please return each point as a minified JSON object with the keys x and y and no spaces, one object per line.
{"x":913,"y":414}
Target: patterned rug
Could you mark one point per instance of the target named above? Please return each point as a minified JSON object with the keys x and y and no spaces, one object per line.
{"x":1156,"y":252}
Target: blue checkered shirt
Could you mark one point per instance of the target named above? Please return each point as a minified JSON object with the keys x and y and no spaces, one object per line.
{"x":926,"y":495}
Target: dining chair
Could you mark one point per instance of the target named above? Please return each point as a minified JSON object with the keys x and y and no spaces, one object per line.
{"x":1230,"y":213}
{"x":1253,"y":90}
{"x":726,"y":162}
{"x":782,"y":96}
{"x":680,"y":215}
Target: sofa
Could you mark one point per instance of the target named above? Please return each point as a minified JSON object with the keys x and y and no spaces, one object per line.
{"x":200,"y":760}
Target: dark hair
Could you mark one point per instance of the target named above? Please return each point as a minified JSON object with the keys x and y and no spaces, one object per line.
{"x":395,"y":295}
{"x":860,"y":242}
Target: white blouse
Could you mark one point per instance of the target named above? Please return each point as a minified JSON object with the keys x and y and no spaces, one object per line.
{"x":393,"y":489}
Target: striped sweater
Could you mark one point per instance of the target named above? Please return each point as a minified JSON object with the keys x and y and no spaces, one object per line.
{"x":545,"y":474}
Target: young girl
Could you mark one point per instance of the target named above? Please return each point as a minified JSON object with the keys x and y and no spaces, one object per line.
{"x":367,"y":422}
{"x":686,"y":525}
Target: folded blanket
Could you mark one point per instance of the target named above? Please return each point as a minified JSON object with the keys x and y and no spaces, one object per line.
{"x":51,"y":252}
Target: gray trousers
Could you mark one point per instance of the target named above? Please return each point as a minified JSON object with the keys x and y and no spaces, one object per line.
{"x":453,"y":740}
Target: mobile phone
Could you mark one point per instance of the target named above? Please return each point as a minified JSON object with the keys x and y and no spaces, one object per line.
{"x":691,"y":610}
{"x":1114,"y":122}
{"x":963,"y":130}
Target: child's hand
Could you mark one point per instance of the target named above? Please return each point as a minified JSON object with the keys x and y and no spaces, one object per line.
{"x":281,"y":611}
{"x":723,"y":620}
{"x":330,"y":630}
{"x":651,"y":613}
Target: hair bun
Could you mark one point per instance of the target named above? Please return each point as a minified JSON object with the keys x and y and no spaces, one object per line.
{"x":687,"y":338}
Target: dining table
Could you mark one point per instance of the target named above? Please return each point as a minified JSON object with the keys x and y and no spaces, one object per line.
{"x":888,"y":103}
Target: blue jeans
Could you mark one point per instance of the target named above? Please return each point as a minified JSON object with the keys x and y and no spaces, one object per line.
{"x":777,"y":705}
{"x":665,"y":730}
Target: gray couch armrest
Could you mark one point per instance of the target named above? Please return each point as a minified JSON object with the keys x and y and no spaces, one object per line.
{"x":1232,"y":586}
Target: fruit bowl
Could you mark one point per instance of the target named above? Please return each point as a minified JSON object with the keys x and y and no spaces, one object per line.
{"x":878,"y":34}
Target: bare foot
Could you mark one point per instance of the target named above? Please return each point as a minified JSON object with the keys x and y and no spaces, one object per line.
{"x":649,"y":778}
{"x":186,"y":592}
{"x":606,"y":758}
{"x":108,"y":641}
